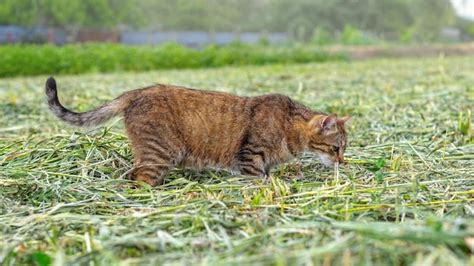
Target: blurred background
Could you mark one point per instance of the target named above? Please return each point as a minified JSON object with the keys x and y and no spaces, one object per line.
{"x":200,"y":22}
{"x":302,"y":30}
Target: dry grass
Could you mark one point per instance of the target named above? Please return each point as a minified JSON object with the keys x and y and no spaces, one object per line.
{"x":406,"y":196}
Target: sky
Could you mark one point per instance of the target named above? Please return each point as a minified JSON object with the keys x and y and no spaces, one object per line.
{"x":464,"y":8}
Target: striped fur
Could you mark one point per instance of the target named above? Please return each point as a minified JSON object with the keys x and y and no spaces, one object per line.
{"x":172,"y":126}
{"x":90,"y":118}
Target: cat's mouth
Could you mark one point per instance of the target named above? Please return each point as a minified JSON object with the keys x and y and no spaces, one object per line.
{"x":326,"y":160}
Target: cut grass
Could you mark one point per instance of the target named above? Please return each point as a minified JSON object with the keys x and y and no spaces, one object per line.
{"x":406,"y":195}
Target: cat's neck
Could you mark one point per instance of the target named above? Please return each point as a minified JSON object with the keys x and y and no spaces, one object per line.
{"x":297,"y":139}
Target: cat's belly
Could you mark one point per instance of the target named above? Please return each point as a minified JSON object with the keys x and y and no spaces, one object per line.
{"x":194,"y":162}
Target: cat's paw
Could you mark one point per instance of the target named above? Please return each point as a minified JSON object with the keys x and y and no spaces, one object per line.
{"x":137,"y":175}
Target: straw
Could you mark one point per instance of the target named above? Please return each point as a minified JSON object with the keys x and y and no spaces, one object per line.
{"x":405,"y":195}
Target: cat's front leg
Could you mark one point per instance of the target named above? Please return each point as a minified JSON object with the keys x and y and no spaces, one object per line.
{"x":252,"y":166}
{"x":150,"y":174}
{"x":251,"y":170}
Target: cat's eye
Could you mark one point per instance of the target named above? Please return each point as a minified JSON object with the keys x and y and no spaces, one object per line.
{"x":335,"y":149}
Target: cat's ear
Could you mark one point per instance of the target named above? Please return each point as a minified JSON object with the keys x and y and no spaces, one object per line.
{"x":346,"y":120}
{"x":328,"y":122}
{"x":323,"y":123}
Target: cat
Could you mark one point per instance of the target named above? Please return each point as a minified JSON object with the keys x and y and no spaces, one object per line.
{"x":170,"y":126}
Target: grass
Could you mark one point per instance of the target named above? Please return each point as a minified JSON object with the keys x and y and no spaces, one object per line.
{"x":405,"y":197}
{"x":29,"y":60}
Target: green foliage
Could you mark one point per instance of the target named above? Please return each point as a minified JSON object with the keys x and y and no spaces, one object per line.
{"x":466,"y":26}
{"x":22,"y":60}
{"x":71,"y":13}
{"x":407,"y":35}
{"x":42,"y":259}
{"x":322,"y":37}
{"x":429,"y":17}
{"x":387,"y":18}
{"x":353,"y":36}
{"x":470,"y":30}
{"x":19,"y":12}
{"x":465,"y":124}
{"x":376,"y":167}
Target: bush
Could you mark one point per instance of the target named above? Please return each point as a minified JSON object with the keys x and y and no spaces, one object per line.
{"x":322,"y":37}
{"x":353,"y":36}
{"x":407,"y":35}
{"x":23,"y":60}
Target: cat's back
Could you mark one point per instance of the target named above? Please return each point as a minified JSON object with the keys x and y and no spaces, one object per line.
{"x":190,"y":95}
{"x":182,"y":101}
{"x":210,"y":106}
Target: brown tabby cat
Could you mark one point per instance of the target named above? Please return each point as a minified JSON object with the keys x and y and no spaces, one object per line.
{"x":174,"y":126}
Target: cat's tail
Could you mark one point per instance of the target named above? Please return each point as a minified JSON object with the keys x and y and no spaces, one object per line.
{"x":90,"y":118}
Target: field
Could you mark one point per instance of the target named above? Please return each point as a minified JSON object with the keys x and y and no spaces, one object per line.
{"x":406,"y":195}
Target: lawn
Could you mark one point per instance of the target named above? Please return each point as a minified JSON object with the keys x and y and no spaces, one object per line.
{"x":406,"y":195}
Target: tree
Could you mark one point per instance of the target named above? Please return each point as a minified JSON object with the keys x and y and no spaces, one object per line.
{"x":388,"y":19}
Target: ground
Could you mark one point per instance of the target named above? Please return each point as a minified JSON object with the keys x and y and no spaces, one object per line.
{"x":405,"y":196}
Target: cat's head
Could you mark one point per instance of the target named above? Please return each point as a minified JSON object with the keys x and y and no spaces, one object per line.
{"x":328,"y":138}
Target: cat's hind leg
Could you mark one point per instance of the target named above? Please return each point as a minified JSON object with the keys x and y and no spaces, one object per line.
{"x":152,"y":164}
{"x":151,"y":173}
{"x":154,"y":156}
